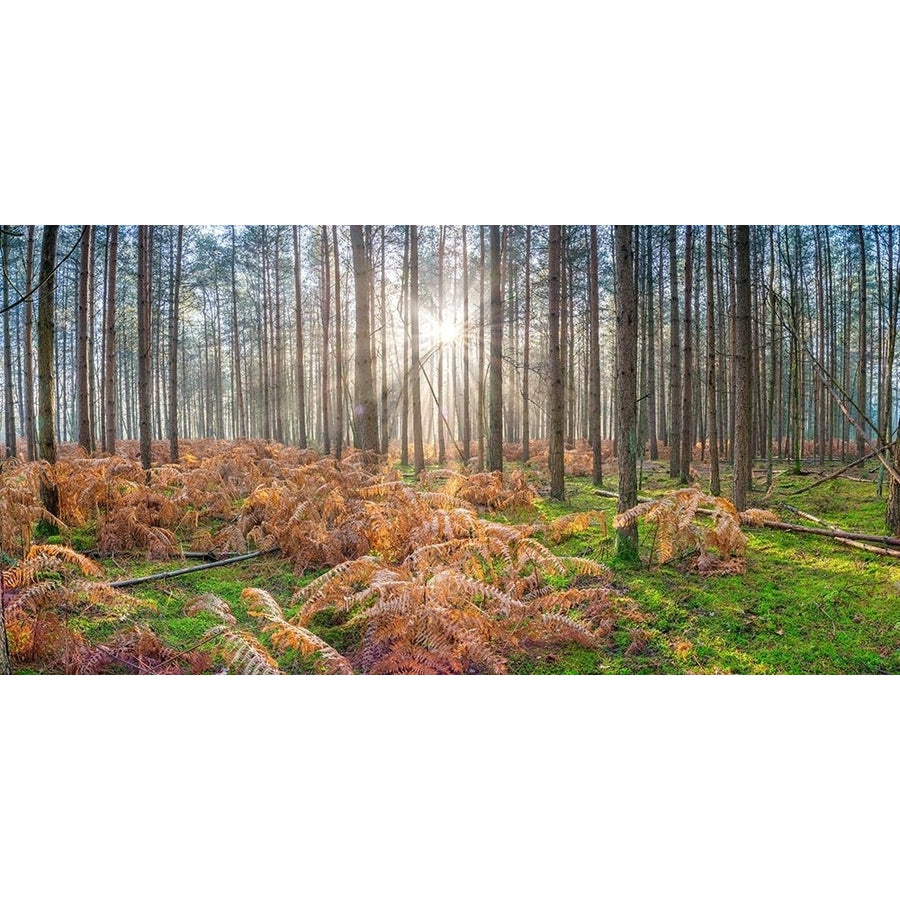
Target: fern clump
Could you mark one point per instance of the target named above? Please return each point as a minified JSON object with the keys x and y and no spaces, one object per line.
{"x":717,"y":547}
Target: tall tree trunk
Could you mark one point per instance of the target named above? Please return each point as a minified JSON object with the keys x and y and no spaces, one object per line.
{"x":594,"y":361}
{"x":326,"y":359}
{"x":384,"y":358}
{"x":742,"y":374}
{"x":626,"y":385}
{"x":675,"y":389}
{"x":174,"y":322}
{"x":81,"y":354}
{"x":557,"y":437}
{"x":481,"y":370}
{"x":663,"y":419}
{"x":30,"y":433}
{"x":9,"y":411}
{"x":861,"y":395}
{"x":495,"y":395}
{"x":405,"y":312}
{"x":687,"y":423}
{"x":651,"y":350}
{"x":143,"y":307}
{"x":711,"y":417}
{"x":893,"y":508}
{"x":46,"y":365}
{"x":415,"y":363}
{"x":467,"y":417}
{"x":364,"y":408}
{"x":236,"y":340}
{"x":109,"y":372}
{"x":338,"y":350}
{"x":299,"y":370}
{"x":526,"y":354}
{"x":442,"y":447}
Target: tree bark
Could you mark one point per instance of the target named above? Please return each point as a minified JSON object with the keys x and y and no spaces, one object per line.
{"x":687,"y":423}
{"x":364,"y":407}
{"x":109,"y":373}
{"x":143,"y":360}
{"x":467,"y":418}
{"x":626,"y":385}
{"x":742,"y":374}
{"x":81,"y":337}
{"x":861,"y":396}
{"x":711,"y":417}
{"x":675,"y":389}
{"x":9,"y":412}
{"x":596,"y":432}
{"x":495,"y":393}
{"x":415,"y":364}
{"x":556,"y":457}
{"x":299,"y":365}
{"x":46,"y":365}
{"x":526,"y":354}
{"x":338,"y":350}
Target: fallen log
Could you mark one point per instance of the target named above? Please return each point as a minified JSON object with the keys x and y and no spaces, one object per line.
{"x":175,"y":573}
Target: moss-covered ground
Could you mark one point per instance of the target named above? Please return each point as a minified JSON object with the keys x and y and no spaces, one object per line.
{"x":805,"y":604}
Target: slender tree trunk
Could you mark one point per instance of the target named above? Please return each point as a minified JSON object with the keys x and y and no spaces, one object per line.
{"x":495,"y":396}
{"x":405,"y":309}
{"x":299,"y":370}
{"x":326,"y":359}
{"x":174,"y":322}
{"x":46,"y":365}
{"x":338,"y":350}
{"x":557,"y":437}
{"x":364,"y":408}
{"x":81,"y":331}
{"x":526,"y":354}
{"x":687,"y":425}
{"x":861,"y":395}
{"x":30,"y":434}
{"x":651,"y":350}
{"x":596,"y":431}
{"x":742,"y":375}
{"x":481,"y":368}
{"x":675,"y":403}
{"x":467,"y":418}
{"x":663,"y":420}
{"x":712,"y":424}
{"x":626,"y":383}
{"x":109,"y":442}
{"x":9,"y":411}
{"x":415,"y":364}
{"x":442,"y":447}
{"x":236,"y":340}
{"x":416,"y":368}
{"x":384,"y":357}
{"x":143,"y":304}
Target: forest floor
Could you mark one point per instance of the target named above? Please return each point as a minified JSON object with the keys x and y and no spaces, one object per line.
{"x":805,"y":605}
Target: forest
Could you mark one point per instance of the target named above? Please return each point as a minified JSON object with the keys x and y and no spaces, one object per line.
{"x":450,"y":449}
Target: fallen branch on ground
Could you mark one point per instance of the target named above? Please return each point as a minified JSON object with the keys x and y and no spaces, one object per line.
{"x":178,"y":572}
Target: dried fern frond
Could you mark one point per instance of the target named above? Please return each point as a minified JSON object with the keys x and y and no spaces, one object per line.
{"x":758,"y":516}
{"x":68,"y":555}
{"x":243,"y":653}
{"x":286,"y":635}
{"x":212,"y":604}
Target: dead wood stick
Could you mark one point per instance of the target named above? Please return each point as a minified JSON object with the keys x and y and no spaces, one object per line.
{"x":883,"y":551}
{"x":837,"y":474}
{"x":129,"y":582}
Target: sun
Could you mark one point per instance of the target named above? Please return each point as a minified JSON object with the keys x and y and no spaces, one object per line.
{"x":435,"y":332}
